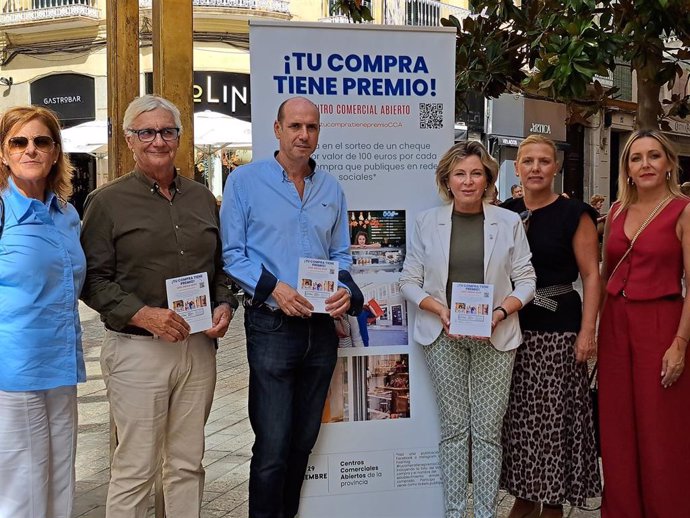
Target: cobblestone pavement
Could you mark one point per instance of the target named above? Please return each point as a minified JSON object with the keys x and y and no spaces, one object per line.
{"x":228,"y":433}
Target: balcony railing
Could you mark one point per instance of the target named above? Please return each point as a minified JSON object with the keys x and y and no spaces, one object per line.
{"x":408,"y":12}
{"x":16,"y":12}
{"x":429,"y":12}
{"x":337,"y":18}
{"x":274,"y":6}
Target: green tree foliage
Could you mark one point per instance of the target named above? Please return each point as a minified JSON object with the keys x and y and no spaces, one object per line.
{"x":555,"y":48}
{"x":355,"y":10}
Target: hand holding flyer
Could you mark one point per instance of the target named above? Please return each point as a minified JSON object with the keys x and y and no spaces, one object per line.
{"x":189,"y":297}
{"x":317,"y":280}
{"x":470,"y":309}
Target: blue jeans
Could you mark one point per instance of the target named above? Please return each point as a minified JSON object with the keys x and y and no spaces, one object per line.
{"x":291,"y":361}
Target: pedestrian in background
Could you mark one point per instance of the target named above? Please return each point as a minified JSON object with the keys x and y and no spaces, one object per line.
{"x":549,"y":454}
{"x":597,"y":203}
{"x":42,"y":270}
{"x":644,"y":391}
{"x":274,"y":212}
{"x":148,"y":226}
{"x":468,"y":240}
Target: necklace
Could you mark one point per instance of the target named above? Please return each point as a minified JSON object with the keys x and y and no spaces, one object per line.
{"x":650,"y":217}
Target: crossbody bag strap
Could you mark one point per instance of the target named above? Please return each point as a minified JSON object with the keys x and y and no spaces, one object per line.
{"x":639,"y":231}
{"x":2,"y":215}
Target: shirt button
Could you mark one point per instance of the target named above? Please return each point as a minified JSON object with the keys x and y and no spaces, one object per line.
{"x":181,"y":252}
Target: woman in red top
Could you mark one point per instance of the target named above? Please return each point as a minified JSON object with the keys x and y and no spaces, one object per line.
{"x":644,"y":330}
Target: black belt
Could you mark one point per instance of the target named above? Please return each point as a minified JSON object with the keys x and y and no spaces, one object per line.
{"x":270,"y":310}
{"x":263,"y":307}
{"x":130,"y":330}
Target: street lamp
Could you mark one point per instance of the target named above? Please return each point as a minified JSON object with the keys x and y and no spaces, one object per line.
{"x":6,"y":81}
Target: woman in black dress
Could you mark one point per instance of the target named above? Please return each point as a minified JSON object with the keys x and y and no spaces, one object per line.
{"x":548,"y":437}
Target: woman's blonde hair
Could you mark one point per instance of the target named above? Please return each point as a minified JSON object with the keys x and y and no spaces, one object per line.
{"x":627,"y":192}
{"x":460,"y":151}
{"x":59,"y":178}
{"x":537,"y":139}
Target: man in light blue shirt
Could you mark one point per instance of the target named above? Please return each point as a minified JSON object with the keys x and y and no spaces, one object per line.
{"x":274,"y":212}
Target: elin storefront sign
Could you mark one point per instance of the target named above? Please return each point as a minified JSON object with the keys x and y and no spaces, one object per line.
{"x":221,"y":92}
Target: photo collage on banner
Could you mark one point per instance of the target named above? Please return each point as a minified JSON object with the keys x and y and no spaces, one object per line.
{"x":386,"y":98}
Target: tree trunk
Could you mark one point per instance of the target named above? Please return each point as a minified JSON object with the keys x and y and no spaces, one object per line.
{"x":648,"y":90}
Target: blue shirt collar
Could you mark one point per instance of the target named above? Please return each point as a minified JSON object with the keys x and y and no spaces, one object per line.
{"x":53,"y":201}
{"x":310,"y":176}
{"x":23,"y":203}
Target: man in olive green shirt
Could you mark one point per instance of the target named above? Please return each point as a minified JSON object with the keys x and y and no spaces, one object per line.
{"x":135,"y":239}
{"x":140,"y":230}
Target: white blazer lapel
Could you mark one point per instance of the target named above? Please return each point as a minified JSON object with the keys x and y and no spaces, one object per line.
{"x":490,"y":235}
{"x":443,"y":228}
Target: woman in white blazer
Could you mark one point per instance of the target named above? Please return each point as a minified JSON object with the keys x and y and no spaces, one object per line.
{"x":468,"y":240}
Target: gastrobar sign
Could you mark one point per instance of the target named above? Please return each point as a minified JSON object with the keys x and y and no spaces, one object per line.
{"x":71,"y":96}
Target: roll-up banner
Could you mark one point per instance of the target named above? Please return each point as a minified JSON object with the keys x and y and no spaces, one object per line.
{"x":386,"y":97}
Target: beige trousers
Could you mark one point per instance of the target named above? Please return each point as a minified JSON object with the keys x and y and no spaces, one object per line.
{"x":160,"y":397}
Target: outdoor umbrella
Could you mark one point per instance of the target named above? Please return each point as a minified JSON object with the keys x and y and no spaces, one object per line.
{"x":89,"y":137}
{"x":219,"y":130}
{"x":212,"y":131}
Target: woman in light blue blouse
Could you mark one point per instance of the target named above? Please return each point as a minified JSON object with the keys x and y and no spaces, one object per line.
{"x":42,"y":270}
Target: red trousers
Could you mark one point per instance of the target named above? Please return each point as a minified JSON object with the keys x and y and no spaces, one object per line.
{"x":645,"y":428}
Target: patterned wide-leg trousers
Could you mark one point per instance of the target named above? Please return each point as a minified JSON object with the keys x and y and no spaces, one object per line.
{"x":472,"y":383}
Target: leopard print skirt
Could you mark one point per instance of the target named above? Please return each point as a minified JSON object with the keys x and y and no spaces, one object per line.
{"x":549,"y":453}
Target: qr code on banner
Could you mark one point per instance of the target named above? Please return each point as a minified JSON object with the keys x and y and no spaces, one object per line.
{"x":430,"y":115}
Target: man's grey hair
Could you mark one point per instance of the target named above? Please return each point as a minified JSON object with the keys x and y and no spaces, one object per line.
{"x":147,"y":103}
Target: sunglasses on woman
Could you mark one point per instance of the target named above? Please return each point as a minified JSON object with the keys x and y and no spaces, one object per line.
{"x":43,"y":143}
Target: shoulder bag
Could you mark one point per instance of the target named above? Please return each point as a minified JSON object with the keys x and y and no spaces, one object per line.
{"x":2,"y":215}
{"x":644,"y":225}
